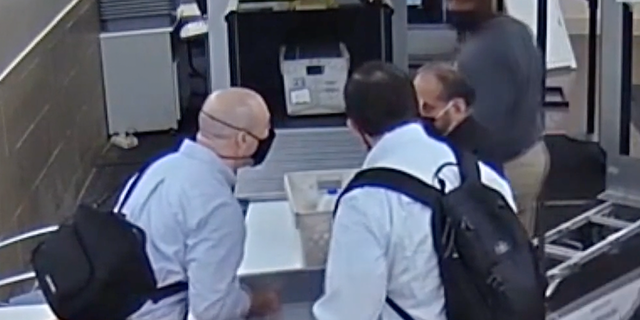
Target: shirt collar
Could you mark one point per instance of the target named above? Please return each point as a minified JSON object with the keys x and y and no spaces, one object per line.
{"x":391,"y":142}
{"x":195,"y":151}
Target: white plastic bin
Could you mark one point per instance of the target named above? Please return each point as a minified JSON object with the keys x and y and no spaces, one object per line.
{"x":304,"y":192}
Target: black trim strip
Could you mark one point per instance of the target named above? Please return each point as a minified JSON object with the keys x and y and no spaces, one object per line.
{"x":592,"y":65}
{"x":542,"y":36}
{"x":626,"y":81}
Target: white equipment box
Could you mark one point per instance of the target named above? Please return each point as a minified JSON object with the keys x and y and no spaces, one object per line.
{"x":140,"y":72}
{"x":312,"y":196}
{"x":314,"y":77}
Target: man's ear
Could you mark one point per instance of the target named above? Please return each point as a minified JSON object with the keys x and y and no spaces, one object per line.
{"x":242,"y":138}
{"x":460,"y":106}
{"x":422,"y":108}
{"x":352,"y":126}
{"x":358,"y":133}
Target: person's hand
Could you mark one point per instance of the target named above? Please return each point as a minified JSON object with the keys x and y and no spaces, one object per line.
{"x":264,"y":303}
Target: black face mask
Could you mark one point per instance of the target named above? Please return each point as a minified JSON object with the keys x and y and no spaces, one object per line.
{"x":464,"y":21}
{"x":428,"y":124}
{"x":264,"y":145}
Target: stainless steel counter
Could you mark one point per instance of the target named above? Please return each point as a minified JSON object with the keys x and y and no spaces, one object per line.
{"x":289,"y":311}
{"x":273,"y":242}
{"x":274,"y":259}
{"x":292,"y":311}
{"x":294,"y":286}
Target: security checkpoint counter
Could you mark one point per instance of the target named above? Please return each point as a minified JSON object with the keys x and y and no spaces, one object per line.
{"x":273,"y":259}
{"x":274,"y":251}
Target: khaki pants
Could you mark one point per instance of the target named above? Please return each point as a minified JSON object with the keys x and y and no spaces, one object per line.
{"x":527,"y":174}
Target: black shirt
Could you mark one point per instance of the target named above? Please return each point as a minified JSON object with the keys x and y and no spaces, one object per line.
{"x":469,"y":135}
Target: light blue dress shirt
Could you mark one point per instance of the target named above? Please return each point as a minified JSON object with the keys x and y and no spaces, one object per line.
{"x":196,"y":233}
{"x":381,"y":243}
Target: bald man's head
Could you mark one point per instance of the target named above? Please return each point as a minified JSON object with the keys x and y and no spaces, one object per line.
{"x":444,"y":95}
{"x":234,"y":119}
{"x":440,"y":83}
{"x":236,"y":109}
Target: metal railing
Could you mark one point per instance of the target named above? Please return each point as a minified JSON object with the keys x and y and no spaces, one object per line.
{"x":20,"y":278}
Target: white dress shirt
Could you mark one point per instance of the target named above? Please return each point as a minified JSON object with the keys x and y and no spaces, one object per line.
{"x":381,"y":243}
{"x":195,"y":233}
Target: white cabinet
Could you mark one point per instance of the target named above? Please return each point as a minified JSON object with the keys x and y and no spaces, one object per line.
{"x":140,"y":80}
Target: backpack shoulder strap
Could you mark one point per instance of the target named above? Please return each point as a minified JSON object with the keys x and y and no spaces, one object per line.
{"x":468,"y":166}
{"x":128,"y":192}
{"x":168,"y":291}
{"x":130,"y":189}
{"x":394,"y":180}
{"x":132,"y":186}
{"x":401,"y":182}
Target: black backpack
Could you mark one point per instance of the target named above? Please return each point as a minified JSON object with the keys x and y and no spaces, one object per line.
{"x":95,"y":266}
{"x":489,"y":268}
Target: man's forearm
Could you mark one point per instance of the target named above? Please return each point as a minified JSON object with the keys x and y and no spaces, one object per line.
{"x":232,"y":304}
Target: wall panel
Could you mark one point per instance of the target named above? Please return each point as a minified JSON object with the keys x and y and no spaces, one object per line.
{"x":21,"y":21}
{"x":52,"y":121}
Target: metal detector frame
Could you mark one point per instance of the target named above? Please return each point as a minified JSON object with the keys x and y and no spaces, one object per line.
{"x":623,"y":171}
{"x":218,"y":39}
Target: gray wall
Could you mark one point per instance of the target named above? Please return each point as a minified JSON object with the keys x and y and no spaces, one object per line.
{"x":21,"y":21}
{"x":52,"y":124}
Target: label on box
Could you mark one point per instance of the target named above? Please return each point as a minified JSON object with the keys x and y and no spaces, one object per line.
{"x":300,"y":96}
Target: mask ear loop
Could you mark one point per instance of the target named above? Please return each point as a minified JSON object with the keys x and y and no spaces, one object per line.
{"x":227,"y":124}
{"x":234,"y":127}
{"x":444,"y":110}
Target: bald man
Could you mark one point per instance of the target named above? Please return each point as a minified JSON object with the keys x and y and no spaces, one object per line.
{"x":194,"y":225}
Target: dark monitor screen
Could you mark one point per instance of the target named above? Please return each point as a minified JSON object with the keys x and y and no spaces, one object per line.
{"x":428,"y":12}
{"x":434,"y":11}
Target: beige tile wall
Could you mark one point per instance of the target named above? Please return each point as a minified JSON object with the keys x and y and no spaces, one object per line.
{"x":52,"y":124}
{"x":576,"y":15}
{"x":575,"y":86}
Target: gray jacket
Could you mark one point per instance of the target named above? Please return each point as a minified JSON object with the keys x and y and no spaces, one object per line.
{"x":504,"y":65}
